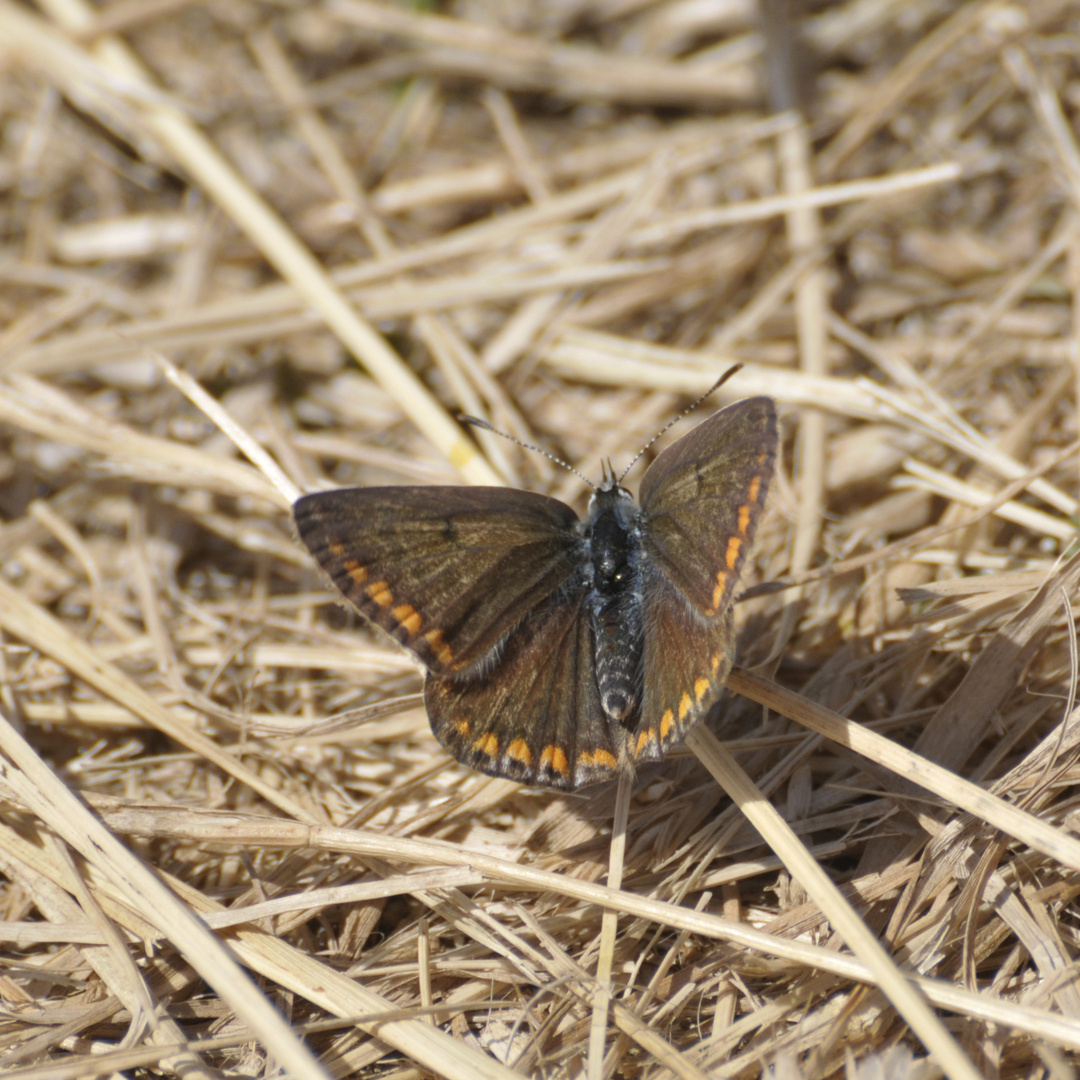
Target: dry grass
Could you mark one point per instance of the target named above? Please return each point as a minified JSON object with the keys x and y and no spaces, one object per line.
{"x":566,"y":218}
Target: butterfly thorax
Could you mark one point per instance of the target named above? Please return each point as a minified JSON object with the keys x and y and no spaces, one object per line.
{"x":614,"y":551}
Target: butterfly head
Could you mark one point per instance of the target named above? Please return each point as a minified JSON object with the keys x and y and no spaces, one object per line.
{"x":609,"y":492}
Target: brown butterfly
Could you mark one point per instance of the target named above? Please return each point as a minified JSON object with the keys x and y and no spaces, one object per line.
{"x":559,"y":650}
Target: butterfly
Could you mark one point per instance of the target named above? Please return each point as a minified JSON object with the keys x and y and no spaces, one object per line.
{"x":560,"y":651}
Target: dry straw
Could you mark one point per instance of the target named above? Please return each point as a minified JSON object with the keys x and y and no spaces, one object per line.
{"x":315,"y":233}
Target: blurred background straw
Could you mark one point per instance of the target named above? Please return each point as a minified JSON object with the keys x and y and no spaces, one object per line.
{"x":349,"y":221}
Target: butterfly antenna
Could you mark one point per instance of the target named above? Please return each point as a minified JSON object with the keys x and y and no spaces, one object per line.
{"x":675,"y":419}
{"x":475,"y":421}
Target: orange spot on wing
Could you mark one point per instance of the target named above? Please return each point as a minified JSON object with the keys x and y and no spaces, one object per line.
{"x":755,"y":489}
{"x":357,"y":572}
{"x":599,"y":756}
{"x":732,"y":555}
{"x":714,"y":663}
{"x":555,"y":759}
{"x":645,"y":737}
{"x":487,"y":744}
{"x":463,"y":728}
{"x":665,"y":723}
{"x":408,"y":618}
{"x":519,"y":750}
{"x":685,"y":706}
{"x":379,"y":591}
{"x":337,"y":550}
{"x":439,"y":647}
{"x":701,"y":688}
{"x":718,"y":590}
{"x":744,"y":518}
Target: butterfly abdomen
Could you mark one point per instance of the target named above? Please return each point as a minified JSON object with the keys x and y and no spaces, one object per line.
{"x":615,"y":602}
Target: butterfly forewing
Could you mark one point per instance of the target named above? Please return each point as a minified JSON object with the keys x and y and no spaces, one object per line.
{"x":545,"y":724}
{"x":429,"y":564}
{"x":701,"y":502}
{"x":702,"y":498}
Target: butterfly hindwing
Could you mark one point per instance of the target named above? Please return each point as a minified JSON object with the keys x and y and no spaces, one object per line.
{"x":429,"y":564}
{"x":685,"y":661}
{"x":542,"y":725}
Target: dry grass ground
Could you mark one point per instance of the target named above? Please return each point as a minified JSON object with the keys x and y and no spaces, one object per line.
{"x":345,"y":222}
